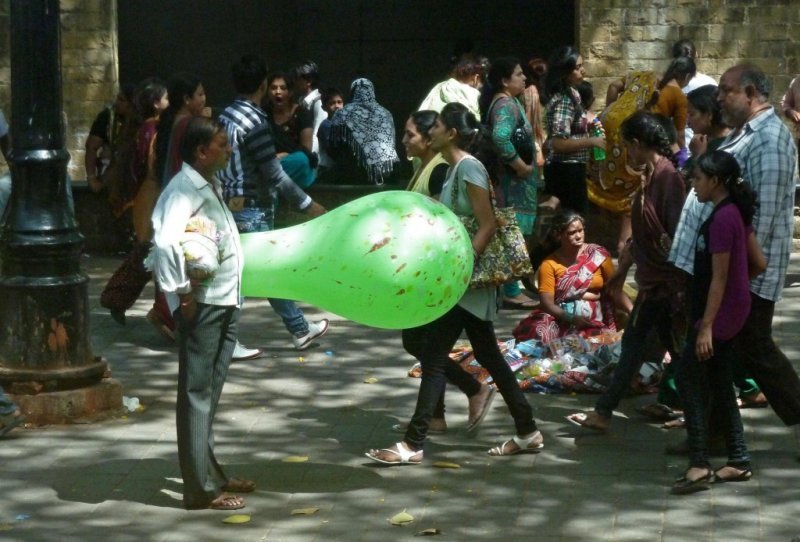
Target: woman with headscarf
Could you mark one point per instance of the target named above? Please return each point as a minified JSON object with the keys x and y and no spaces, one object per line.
{"x":364,"y":130}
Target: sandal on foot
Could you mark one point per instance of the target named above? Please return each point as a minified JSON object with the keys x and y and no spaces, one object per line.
{"x":684,"y":486}
{"x":403,"y":455}
{"x":222,"y":502}
{"x":740,"y":476}
{"x":753,"y":400}
{"x":677,"y":423}
{"x":581,"y":419}
{"x":525,"y":445}
{"x":484,"y":409}
{"x":436,"y":426}
{"x":657,"y":412}
{"x":239,"y":485}
{"x":10,"y":421}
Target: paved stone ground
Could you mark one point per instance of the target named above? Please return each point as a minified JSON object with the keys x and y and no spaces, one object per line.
{"x":119,"y":480}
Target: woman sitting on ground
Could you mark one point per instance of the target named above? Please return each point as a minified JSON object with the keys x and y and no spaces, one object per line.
{"x":572,"y":286}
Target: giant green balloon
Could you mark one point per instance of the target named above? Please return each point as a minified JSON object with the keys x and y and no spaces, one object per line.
{"x":392,"y":259}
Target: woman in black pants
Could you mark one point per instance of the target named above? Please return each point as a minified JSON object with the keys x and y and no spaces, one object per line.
{"x":466,"y":192}
{"x":569,"y":141}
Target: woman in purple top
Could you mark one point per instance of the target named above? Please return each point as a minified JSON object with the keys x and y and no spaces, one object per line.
{"x":720,"y":296}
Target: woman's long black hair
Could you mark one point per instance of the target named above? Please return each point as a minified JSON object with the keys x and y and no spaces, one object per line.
{"x":471,"y":135}
{"x":180,"y":86}
{"x":501,"y":68}
{"x":648,"y":130}
{"x":724,"y":167}
{"x":561,"y":63}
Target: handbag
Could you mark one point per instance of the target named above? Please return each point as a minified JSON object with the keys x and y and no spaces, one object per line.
{"x":520,"y":138}
{"x":506,"y":255}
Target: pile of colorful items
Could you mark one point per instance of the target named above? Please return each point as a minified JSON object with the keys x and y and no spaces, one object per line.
{"x":569,"y":364}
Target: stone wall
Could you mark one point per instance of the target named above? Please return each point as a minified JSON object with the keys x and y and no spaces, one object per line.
{"x":89,"y":68}
{"x":616,"y":36}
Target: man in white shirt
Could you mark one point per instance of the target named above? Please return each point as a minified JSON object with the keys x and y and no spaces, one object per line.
{"x":306,"y":85}
{"x":206,"y":310}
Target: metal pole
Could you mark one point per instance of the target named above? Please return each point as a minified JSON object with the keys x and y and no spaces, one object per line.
{"x":44,"y":324}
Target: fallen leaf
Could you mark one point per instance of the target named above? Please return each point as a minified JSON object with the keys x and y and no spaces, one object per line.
{"x":301,"y":360}
{"x":237,"y":518}
{"x":370,"y":380}
{"x":428,"y":532}
{"x":446,"y":465}
{"x":305,"y":511}
{"x":295,"y":459}
{"x":402,"y":518}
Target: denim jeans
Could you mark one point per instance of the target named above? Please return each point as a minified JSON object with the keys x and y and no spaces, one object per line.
{"x":6,"y":405}
{"x":414,"y":342}
{"x":255,"y":219}
{"x":646,"y":314}
{"x":705,"y":385}
{"x":436,"y":357}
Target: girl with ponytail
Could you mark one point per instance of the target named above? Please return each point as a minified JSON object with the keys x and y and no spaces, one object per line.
{"x":655,"y":211}
{"x":720,"y":293}
{"x":456,"y":135}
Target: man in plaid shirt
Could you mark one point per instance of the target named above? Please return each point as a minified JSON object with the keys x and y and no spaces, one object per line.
{"x":765,"y":151}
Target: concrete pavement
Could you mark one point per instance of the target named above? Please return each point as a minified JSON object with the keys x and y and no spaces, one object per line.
{"x":119,"y":479}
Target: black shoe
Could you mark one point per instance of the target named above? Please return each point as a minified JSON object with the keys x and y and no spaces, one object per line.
{"x":118,"y":316}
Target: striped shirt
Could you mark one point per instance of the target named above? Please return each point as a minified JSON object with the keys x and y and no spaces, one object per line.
{"x":254,"y":171}
{"x":767,"y":155}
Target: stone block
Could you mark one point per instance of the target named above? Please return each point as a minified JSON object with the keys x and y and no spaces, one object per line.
{"x":594,"y":16}
{"x":606,"y":51}
{"x":641,"y":16}
{"x":87,"y":40}
{"x":654,"y":50}
{"x":91,"y":403}
{"x":600,"y":33}
{"x":682,"y":16}
{"x":90,"y":57}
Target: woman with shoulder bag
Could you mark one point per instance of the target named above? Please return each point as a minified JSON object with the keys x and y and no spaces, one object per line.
{"x":455,"y":133}
{"x":512,"y":136}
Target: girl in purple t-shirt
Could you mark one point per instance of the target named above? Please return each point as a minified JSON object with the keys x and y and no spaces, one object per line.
{"x":720,"y":297}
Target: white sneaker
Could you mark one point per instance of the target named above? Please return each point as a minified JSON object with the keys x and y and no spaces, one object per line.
{"x":241,"y":352}
{"x":315,"y":329}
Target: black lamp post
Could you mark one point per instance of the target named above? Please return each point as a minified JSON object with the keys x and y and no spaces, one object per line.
{"x":44,"y":327}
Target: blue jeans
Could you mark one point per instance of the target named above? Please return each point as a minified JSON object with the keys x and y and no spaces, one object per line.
{"x":6,"y":405}
{"x":705,"y":385}
{"x":255,"y":219}
{"x":646,"y":314}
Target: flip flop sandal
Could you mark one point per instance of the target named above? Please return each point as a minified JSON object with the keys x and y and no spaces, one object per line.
{"x":684,"y":486}
{"x":582,"y":420}
{"x":530,"y":445}
{"x":222,"y":502}
{"x":484,"y":411}
{"x":677,"y":423}
{"x":238,"y":485}
{"x":404,"y":455}
{"x":743,"y":476}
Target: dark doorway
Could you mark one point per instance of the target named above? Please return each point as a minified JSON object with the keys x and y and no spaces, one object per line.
{"x":402,"y":45}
